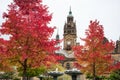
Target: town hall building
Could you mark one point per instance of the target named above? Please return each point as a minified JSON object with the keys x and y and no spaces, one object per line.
{"x":70,"y":37}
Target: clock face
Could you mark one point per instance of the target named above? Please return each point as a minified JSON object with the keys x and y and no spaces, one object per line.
{"x":68,"y":43}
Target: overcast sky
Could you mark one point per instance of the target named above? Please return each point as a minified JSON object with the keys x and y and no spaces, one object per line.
{"x":105,"y":11}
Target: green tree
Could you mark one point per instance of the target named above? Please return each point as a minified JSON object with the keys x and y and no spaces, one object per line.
{"x":31,"y":72}
{"x":115,"y":75}
{"x":7,"y":75}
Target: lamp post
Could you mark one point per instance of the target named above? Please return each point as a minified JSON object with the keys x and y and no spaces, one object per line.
{"x":73,"y":73}
{"x":41,"y":77}
{"x":55,"y":74}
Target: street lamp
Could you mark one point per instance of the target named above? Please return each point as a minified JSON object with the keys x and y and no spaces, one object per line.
{"x":55,"y":74}
{"x":73,"y":73}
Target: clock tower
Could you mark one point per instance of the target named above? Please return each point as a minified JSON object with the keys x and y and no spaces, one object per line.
{"x":69,"y":32}
{"x":69,"y":36}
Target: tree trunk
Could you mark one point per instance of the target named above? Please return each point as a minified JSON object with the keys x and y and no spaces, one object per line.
{"x":25,"y":70}
{"x":24,"y":75}
{"x":94,"y":71}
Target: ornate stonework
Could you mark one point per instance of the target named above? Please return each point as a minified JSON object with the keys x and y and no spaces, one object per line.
{"x":70,"y":35}
{"x":69,"y":32}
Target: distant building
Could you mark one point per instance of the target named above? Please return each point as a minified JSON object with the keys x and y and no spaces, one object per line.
{"x":116,"y":52}
{"x":117,"y":47}
{"x":70,"y":36}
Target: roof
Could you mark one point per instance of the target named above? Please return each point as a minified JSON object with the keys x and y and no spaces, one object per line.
{"x":67,"y":54}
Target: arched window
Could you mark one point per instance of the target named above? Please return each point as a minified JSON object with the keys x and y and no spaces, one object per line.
{"x":68,"y":65}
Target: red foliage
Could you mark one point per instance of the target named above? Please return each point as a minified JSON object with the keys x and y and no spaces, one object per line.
{"x":30,"y":43}
{"x":94,"y":57}
{"x":4,"y":65}
{"x":116,"y":66}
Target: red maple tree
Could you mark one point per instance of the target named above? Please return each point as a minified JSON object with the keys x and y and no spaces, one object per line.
{"x":4,"y":64}
{"x":94,"y":56}
{"x":30,"y":43}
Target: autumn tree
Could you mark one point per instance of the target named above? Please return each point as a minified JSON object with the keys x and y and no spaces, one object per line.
{"x":115,"y":75}
{"x":30,"y":44}
{"x":31,"y":72}
{"x":94,"y":56}
{"x":4,"y":64}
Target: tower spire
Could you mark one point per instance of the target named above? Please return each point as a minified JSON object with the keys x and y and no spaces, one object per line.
{"x":70,"y":12}
{"x":57,"y":36}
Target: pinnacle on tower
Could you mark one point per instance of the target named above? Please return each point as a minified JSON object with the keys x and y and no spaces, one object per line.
{"x":57,"y":36}
{"x":70,"y":12}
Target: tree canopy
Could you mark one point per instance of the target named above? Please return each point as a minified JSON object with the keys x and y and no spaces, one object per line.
{"x":30,"y":44}
{"x":94,"y":56}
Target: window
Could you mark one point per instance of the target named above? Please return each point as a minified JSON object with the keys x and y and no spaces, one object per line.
{"x":68,"y":31}
{"x":68,"y":65}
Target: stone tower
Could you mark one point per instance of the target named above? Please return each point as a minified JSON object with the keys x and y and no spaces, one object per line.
{"x":69,"y":36}
{"x":117,"y":48}
{"x":69,"y":32}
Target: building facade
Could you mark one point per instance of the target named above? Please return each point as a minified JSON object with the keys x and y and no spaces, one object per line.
{"x":70,"y":33}
{"x":70,"y":37}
